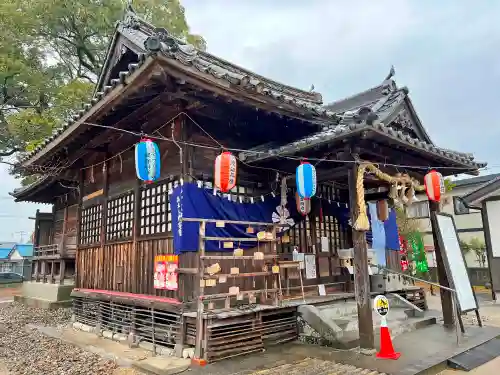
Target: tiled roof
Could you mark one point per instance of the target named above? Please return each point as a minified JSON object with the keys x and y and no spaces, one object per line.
{"x":7,"y":245}
{"x":25,"y":250}
{"x":365,"y":98}
{"x":5,"y":249}
{"x":474,"y":198}
{"x":87,"y":106}
{"x":145,"y":35}
{"x":375,"y":118}
{"x":23,"y":189}
{"x":476,"y":180}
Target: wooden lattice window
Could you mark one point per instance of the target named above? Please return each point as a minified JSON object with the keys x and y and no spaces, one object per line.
{"x":91,"y":225}
{"x":155,"y":217}
{"x":120,"y":217}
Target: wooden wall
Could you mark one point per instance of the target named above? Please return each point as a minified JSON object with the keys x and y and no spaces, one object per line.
{"x":124,"y":223}
{"x":123,"y":267}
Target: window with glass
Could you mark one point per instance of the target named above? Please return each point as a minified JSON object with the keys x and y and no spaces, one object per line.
{"x":418,"y":210}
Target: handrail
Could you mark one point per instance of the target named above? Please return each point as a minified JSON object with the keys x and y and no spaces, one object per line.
{"x":414,"y":278}
{"x":46,"y":250}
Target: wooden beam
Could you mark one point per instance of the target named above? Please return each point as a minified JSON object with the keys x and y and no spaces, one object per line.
{"x":361,"y":276}
{"x":147,"y":109}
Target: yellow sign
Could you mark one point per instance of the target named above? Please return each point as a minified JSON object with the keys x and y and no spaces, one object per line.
{"x":381,"y":305}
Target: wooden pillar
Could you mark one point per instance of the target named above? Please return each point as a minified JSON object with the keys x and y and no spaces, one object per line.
{"x":44,"y":270}
{"x":361,"y":276}
{"x":489,"y":248}
{"x":187,"y":151}
{"x":136,"y":232}
{"x":52,"y":271}
{"x":36,"y":265}
{"x":62,"y":271}
{"x":81,"y":181}
{"x":105,"y":186}
{"x":313,"y":231}
{"x":200,"y":331}
{"x":446,"y":297}
{"x":62,"y":249}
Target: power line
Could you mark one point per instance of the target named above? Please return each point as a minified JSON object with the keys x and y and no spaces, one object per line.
{"x":162,"y":138}
{"x":59,"y":166}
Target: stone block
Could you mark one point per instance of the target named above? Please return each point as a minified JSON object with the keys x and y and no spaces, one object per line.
{"x":320,"y":322}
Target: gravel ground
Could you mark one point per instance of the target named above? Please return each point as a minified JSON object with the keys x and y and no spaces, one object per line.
{"x":28,"y":352}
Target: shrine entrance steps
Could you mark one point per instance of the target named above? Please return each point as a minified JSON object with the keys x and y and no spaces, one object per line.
{"x":336,"y":325}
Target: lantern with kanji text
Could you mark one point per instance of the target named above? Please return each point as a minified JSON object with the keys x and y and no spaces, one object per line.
{"x":147,"y":160}
{"x":303,"y":205}
{"x":225,"y":172}
{"x":306,"y":180}
{"x":434,"y":185}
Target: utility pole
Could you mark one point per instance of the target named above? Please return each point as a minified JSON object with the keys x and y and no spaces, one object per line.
{"x":22,"y":233}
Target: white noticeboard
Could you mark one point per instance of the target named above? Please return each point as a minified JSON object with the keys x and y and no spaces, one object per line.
{"x":310,"y":261}
{"x":493,"y":209}
{"x":456,"y":269}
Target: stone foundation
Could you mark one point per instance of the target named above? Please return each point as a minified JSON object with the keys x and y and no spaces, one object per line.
{"x":45,"y":295}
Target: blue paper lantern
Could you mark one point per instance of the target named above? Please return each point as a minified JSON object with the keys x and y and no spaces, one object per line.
{"x":306,"y":180}
{"x":147,"y":160}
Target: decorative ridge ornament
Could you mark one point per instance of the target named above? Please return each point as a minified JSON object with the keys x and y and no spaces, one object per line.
{"x":147,"y":160}
{"x":305,"y":177}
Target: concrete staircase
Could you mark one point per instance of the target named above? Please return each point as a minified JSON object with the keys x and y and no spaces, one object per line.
{"x":312,"y":366}
{"x":336,"y":325}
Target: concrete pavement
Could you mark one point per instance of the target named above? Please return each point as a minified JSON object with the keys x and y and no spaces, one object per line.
{"x":489,"y":368}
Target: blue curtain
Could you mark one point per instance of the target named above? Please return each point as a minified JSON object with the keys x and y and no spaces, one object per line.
{"x":378,"y":234}
{"x":190,"y":201}
{"x":390,"y":229}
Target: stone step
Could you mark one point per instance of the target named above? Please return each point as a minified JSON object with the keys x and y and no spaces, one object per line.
{"x":312,"y":366}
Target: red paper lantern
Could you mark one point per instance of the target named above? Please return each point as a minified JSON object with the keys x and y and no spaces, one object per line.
{"x":434,"y":185}
{"x":225,"y":172}
{"x":404,"y":265}
{"x":303,"y":204}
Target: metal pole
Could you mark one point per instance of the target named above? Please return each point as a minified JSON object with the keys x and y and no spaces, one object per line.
{"x":415,"y":278}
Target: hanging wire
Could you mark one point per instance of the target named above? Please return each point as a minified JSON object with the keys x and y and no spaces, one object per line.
{"x":59,"y":166}
{"x":192,"y":144}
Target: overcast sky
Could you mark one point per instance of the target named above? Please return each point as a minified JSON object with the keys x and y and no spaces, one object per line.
{"x":447,"y":53}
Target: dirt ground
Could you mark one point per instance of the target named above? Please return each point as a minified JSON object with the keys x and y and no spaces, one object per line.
{"x":8,"y":293}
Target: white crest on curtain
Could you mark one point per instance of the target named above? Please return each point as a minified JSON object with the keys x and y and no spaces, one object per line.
{"x":282,"y":216}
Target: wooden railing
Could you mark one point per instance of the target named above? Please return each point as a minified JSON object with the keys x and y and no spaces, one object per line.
{"x":47,"y":251}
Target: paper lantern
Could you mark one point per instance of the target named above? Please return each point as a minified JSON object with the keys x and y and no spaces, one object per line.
{"x":382,"y":210}
{"x":404,"y":265}
{"x":303,"y":205}
{"x":147,"y":160}
{"x":306,"y":180}
{"x":225,"y":172}
{"x":434,"y":185}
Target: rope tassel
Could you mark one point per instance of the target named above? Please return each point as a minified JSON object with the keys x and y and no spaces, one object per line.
{"x":362,"y":223}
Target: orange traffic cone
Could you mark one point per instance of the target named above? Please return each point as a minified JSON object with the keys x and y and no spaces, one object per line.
{"x":386,"y":348}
